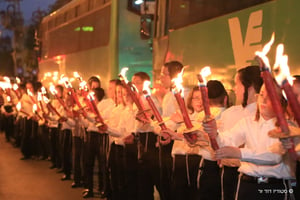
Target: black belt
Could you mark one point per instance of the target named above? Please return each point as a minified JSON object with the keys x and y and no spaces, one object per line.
{"x":261,"y":179}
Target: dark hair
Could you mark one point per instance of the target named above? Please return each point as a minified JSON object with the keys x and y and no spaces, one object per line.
{"x":217,"y":93}
{"x":174,"y":67}
{"x":99,"y":93}
{"x":250,"y":76}
{"x":60,"y":87}
{"x":94,"y":79}
{"x":116,"y":81}
{"x":296,"y":79}
{"x":190,"y":98}
{"x":143,"y":75}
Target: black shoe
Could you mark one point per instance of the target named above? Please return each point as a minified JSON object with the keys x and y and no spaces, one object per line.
{"x":103,"y":194}
{"x":65,"y":177}
{"x":87,"y":194}
{"x":52,"y":167}
{"x":76,"y":185}
{"x":24,"y":158}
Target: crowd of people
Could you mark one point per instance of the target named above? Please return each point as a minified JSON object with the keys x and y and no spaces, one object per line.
{"x":135,"y":153}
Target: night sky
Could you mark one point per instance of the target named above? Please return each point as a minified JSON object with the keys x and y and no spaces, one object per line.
{"x":29,"y":6}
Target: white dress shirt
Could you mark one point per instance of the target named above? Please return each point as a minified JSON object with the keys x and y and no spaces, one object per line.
{"x":257,"y":158}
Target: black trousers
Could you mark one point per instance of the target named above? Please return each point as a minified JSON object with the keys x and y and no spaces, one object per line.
{"x":185,"y":174}
{"x":96,"y":148}
{"x":210,"y":181}
{"x":131,"y":171}
{"x":297,"y":189}
{"x":117,"y":171}
{"x":154,"y":168}
{"x":230,"y":181}
{"x":54,"y":134}
{"x":26,"y":142}
{"x":249,"y":190}
{"x":9,"y":127}
{"x":67,"y":151}
{"x":78,"y":153}
{"x":44,"y":142}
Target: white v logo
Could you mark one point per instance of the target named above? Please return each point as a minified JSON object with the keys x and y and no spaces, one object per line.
{"x":243,"y":51}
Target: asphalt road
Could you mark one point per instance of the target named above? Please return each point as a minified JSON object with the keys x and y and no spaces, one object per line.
{"x":31,"y":179}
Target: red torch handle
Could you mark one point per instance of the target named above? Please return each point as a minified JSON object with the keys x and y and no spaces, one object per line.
{"x":156,"y":113}
{"x":205,"y":100}
{"x":135,"y":98}
{"x":270,"y":87}
{"x":186,"y":118}
{"x":96,"y":111}
{"x":295,"y":106}
{"x":50,"y":107}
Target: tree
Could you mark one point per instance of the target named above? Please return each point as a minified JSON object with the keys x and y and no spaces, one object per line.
{"x":58,"y":4}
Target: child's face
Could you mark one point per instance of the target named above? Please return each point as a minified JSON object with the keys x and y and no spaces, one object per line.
{"x":239,"y":89}
{"x":165,"y":78}
{"x":111,"y":90}
{"x":197,"y":101}
{"x":126,"y":97}
{"x":264,"y":104}
{"x":119,"y":94}
{"x":138,"y":82}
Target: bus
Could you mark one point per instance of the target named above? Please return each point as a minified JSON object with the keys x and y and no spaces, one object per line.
{"x":223,"y":34}
{"x":93,"y":37}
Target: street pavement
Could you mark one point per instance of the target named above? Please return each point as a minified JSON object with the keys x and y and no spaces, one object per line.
{"x":31,"y":179}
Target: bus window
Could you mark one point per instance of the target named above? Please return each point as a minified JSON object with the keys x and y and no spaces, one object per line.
{"x":186,"y":12}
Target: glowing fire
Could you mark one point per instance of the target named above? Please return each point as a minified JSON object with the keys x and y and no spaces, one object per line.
{"x":18,"y":106}
{"x":281,"y":66}
{"x":262,"y":54}
{"x":8,"y":98}
{"x":83,"y":85}
{"x":18,"y":80}
{"x":39,"y":96}
{"x":91,"y":96}
{"x":29,"y":92}
{"x":146,"y":88}
{"x":123,"y":74}
{"x":52,"y":89}
{"x":46,"y":100}
{"x":6,"y":79}
{"x":34,"y":108}
{"x":43,"y":90}
{"x":178,"y":88}
{"x":15,"y":86}
{"x":205,"y":71}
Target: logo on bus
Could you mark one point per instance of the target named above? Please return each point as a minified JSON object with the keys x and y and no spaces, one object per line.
{"x":244,"y":47}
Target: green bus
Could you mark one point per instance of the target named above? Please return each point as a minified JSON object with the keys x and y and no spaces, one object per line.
{"x":93,"y":37}
{"x":223,"y":34}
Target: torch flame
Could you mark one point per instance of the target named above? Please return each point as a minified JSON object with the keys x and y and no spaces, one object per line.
{"x":281,"y":65}
{"x":8,"y":98}
{"x":29,"y":92}
{"x":262,"y":54}
{"x":46,"y":100}
{"x":205,"y":71}
{"x":18,"y":80}
{"x":34,"y":108}
{"x":6,"y":79}
{"x":15,"y":86}
{"x":52,"y":89}
{"x":178,"y":83}
{"x":39,"y":96}
{"x":146,"y":88}
{"x":123,"y":73}
{"x":18,"y":106}
{"x":83,"y":85}
{"x":91,"y":96}
{"x":43,"y":90}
